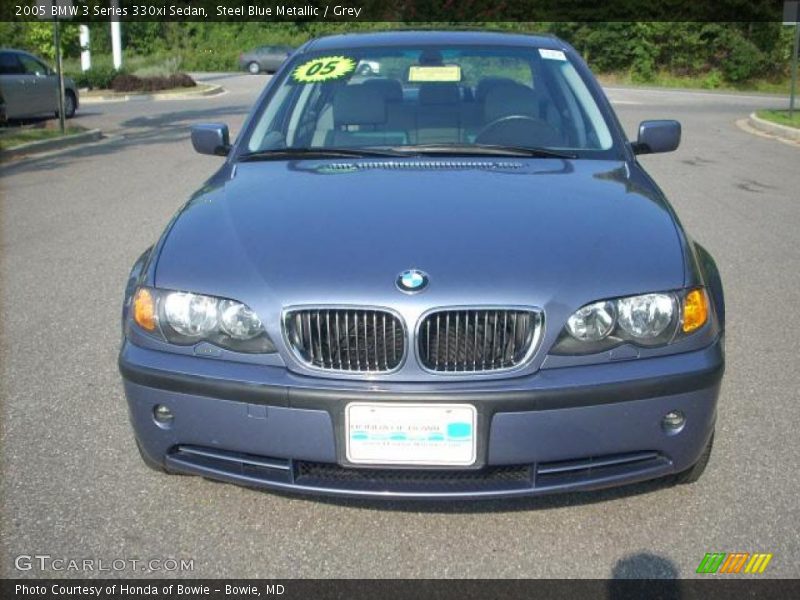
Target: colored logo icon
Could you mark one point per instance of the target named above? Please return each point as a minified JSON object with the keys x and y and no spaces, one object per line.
{"x":734,"y":562}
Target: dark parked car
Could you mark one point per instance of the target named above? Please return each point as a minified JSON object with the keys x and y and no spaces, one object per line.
{"x":454,"y":280}
{"x":30,"y":87}
{"x":264,"y":59}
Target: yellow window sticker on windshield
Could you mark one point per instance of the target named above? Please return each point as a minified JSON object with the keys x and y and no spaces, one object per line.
{"x":324,"y":68}
{"x":434,"y":74}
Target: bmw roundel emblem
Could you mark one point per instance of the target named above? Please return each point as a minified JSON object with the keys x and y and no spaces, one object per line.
{"x":412,"y":281}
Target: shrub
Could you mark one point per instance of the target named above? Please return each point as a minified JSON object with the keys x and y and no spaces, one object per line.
{"x":712,"y":80}
{"x":181,"y":80}
{"x":126,"y":83}
{"x":97,"y":78}
{"x":169,"y":66}
{"x":132,"y":83}
{"x":734,"y":52}
{"x":743,"y":60}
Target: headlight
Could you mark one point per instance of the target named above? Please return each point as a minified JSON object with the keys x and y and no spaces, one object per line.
{"x":646,"y":317}
{"x":184,"y":318}
{"x":238,"y":321}
{"x":593,"y":322}
{"x":644,"y":320}
{"x":191,"y":315}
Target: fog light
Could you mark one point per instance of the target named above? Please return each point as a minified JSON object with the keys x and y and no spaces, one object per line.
{"x":163,"y":414}
{"x":673,"y":421}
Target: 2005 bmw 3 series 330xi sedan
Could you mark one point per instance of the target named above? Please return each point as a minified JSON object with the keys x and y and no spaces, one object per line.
{"x":448,"y":278}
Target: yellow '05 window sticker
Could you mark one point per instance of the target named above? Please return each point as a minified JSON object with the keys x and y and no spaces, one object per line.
{"x":324,"y":68}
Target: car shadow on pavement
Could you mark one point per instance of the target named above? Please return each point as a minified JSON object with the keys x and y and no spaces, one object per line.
{"x":166,"y":128}
{"x":168,"y":124}
{"x":556,"y":500}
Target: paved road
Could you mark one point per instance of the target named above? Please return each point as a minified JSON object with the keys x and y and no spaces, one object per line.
{"x":72,"y":483}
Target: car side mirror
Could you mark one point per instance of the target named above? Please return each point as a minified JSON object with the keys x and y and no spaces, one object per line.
{"x":657,"y":136}
{"x":211,"y":138}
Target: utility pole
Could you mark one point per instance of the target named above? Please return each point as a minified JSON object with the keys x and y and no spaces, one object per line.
{"x":55,"y":10}
{"x":59,"y":69}
{"x":791,"y":16}
{"x":86,"y":53}
{"x":793,"y":93}
{"x":116,"y":36}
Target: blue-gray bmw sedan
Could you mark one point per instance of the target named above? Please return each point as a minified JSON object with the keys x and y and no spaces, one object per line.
{"x":449,"y":280}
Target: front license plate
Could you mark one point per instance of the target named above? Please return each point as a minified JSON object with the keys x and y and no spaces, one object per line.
{"x":411,"y":434}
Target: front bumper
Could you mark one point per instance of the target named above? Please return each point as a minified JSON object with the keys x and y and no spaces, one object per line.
{"x":561,"y":429}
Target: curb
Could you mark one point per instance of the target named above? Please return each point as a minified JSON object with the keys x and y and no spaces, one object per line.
{"x":56,"y":144}
{"x":211,"y":90}
{"x":685,"y":90}
{"x":780,"y":131}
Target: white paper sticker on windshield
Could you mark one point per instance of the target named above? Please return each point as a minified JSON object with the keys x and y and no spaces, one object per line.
{"x":552,"y":54}
{"x":434,"y":74}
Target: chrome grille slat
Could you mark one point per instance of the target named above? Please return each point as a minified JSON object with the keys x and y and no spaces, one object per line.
{"x":358,"y":354}
{"x":375,"y":339}
{"x":503,"y":339}
{"x":475,"y":344}
{"x":514,"y":335}
{"x":480,"y":339}
{"x":346,"y":339}
{"x":394,"y":341}
{"x":338,"y":346}
{"x":328,"y":333}
{"x":455,"y":344}
{"x":437,"y":337}
{"x":494,"y":340}
{"x":319,"y":334}
{"x":385,"y":360}
{"x":485,"y":338}
{"x":447,"y":342}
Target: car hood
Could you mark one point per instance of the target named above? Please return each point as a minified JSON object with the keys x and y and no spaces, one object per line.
{"x":525,"y":232}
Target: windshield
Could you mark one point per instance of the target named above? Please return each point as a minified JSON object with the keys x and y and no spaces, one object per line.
{"x":460,"y":99}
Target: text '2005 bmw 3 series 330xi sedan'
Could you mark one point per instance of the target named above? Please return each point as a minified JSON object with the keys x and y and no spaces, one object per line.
{"x":445,"y":278}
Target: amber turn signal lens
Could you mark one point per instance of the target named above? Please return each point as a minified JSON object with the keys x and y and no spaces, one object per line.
{"x":695,"y":310}
{"x":144,"y":309}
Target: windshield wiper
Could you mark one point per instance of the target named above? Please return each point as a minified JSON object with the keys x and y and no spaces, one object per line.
{"x":284,"y":153}
{"x":482,"y":150}
{"x":411,"y":150}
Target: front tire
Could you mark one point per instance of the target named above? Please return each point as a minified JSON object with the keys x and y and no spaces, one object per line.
{"x":253,"y":68}
{"x":693,"y":473}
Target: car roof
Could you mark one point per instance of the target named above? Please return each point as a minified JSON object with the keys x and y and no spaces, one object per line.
{"x":16,"y":51}
{"x":348,"y":41}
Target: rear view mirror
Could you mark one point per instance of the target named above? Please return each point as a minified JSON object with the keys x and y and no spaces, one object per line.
{"x":657,"y":136}
{"x":211,"y":138}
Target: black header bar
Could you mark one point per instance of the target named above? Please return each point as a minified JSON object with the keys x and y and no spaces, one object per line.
{"x":404,"y":11}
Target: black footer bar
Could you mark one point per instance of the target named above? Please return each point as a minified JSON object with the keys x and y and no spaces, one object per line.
{"x":713,"y":586}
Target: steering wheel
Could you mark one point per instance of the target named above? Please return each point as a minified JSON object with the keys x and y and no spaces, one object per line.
{"x":519,"y":130}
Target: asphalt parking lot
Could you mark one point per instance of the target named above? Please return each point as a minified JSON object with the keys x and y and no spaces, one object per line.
{"x":73,"y":485}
